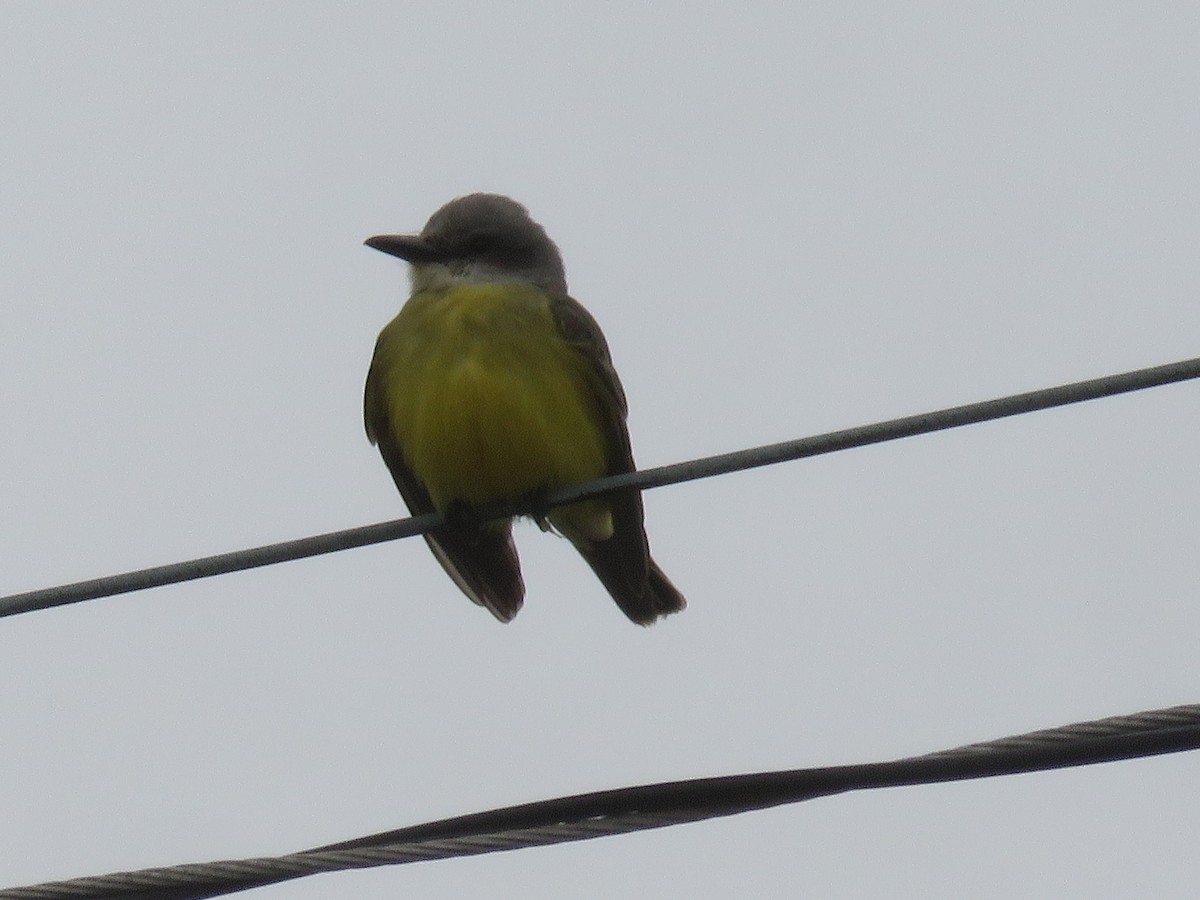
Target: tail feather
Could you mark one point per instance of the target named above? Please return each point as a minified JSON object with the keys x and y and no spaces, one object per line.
{"x":635,"y":582}
{"x":483,"y":563}
{"x":665,"y":597}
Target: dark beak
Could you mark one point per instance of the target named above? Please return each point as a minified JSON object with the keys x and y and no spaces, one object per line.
{"x":411,"y":247}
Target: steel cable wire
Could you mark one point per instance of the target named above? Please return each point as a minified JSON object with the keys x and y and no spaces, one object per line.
{"x":625,"y":810}
{"x":816,"y":445}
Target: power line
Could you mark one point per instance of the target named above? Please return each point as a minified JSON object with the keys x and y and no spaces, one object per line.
{"x":893,"y":429}
{"x":625,"y":810}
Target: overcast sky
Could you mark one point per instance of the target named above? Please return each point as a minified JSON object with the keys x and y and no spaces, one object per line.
{"x":789,"y":218}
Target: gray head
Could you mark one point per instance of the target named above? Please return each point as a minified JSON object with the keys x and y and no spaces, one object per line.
{"x":478,"y":238}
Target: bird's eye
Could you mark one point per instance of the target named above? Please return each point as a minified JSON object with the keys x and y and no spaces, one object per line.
{"x":478,"y":243}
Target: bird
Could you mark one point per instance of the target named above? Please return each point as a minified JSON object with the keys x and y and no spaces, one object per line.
{"x":493,"y":384}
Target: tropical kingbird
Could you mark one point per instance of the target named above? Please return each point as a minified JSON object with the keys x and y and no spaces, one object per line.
{"x":492,"y":384}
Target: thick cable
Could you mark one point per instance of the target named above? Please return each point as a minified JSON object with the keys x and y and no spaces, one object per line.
{"x":607,"y":813}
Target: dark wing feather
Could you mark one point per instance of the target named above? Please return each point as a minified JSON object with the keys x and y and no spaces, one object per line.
{"x":622,"y":563}
{"x":482,"y":561}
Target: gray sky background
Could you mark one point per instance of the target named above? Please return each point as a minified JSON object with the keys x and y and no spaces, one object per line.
{"x":789,"y":218}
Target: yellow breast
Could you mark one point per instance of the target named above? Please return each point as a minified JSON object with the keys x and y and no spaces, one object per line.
{"x":484,"y":398}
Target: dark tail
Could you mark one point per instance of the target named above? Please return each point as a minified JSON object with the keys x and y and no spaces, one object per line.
{"x":483,"y":563}
{"x":634,"y":580}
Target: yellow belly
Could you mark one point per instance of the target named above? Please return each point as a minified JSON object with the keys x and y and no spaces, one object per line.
{"x":484,"y":398}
